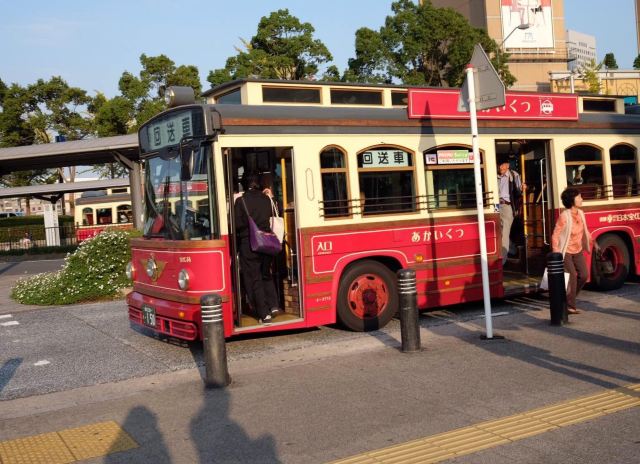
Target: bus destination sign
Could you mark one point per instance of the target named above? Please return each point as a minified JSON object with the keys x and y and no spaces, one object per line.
{"x":443,"y":104}
{"x":169,"y":130}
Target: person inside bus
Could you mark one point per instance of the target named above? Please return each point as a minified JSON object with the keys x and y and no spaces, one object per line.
{"x":510,"y":189}
{"x":571,"y":238}
{"x":255,"y":268}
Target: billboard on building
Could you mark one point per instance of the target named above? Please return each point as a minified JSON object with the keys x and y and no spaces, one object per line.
{"x":527,"y":23}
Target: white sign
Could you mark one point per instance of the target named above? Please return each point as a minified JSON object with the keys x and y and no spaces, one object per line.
{"x":527,"y":24}
{"x":449,"y":157}
{"x":384,"y":159}
{"x":52,"y":231}
{"x":167,"y":132}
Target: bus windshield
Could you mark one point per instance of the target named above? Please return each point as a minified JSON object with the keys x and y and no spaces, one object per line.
{"x":175,"y":208}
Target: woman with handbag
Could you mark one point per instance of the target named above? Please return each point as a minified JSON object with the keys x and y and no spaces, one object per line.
{"x":571,"y":238}
{"x":255,"y":268}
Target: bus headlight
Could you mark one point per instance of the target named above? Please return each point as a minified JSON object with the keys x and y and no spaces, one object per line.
{"x":130,"y":271}
{"x":183,"y":279}
{"x":152,"y":267}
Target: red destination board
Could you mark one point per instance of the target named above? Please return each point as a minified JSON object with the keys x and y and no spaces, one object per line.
{"x":443,"y":104}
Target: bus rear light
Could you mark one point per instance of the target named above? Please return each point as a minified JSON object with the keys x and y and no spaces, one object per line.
{"x":183,"y":279}
{"x":130,"y":271}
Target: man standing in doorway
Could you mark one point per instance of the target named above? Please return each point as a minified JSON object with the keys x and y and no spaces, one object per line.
{"x":510,"y":189}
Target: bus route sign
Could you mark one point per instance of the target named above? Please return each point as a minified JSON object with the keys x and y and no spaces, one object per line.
{"x":443,"y":104}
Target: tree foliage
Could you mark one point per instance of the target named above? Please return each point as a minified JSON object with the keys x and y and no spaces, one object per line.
{"x":283,"y":48}
{"x":421,"y":45}
{"x":610,"y":61}
{"x":589,"y":74}
{"x":33,"y":114}
{"x":636,"y":62}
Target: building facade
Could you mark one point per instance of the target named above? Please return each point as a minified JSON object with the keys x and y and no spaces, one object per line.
{"x":581,"y":49}
{"x":531,"y":31}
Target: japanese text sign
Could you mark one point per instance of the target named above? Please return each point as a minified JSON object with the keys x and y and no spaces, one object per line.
{"x":384,"y":158}
{"x":443,"y":104}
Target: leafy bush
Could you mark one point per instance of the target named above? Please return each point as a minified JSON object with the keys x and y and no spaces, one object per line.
{"x":96,"y":270}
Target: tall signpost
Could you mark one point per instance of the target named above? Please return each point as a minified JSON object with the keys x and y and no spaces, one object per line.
{"x":482,"y":90}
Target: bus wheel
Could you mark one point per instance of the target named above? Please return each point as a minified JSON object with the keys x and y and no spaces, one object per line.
{"x":367,"y":296}
{"x":616,"y":252}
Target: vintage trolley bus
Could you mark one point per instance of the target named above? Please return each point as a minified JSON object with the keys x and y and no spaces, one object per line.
{"x":366,"y":191}
{"x":95,"y":210}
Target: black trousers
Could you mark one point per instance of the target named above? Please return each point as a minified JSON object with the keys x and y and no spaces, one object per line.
{"x":258,"y":279}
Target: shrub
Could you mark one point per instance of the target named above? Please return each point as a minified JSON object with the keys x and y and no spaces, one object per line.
{"x":96,"y":270}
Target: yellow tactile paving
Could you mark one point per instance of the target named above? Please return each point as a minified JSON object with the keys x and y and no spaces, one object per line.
{"x":68,"y":445}
{"x":468,"y":440}
{"x":47,"y":448}
{"x":97,"y":440}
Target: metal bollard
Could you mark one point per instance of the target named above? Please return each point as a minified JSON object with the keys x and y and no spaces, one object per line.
{"x":557,"y":289}
{"x":409,"y":326}
{"x":214,"y":348}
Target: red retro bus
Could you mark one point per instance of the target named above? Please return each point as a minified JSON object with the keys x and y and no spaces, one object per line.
{"x":366,"y":191}
{"x":95,"y":210}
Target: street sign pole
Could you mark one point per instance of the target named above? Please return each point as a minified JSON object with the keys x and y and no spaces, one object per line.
{"x":479,"y":201}
{"x":482,"y":90}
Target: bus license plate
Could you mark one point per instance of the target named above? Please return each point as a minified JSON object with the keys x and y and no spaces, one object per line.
{"x":149,"y":315}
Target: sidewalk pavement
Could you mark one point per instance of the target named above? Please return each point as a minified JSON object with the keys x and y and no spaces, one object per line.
{"x":328,"y":403}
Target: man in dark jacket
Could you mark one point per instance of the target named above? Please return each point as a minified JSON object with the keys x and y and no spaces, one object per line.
{"x":255,"y":267}
{"x":510,"y":189}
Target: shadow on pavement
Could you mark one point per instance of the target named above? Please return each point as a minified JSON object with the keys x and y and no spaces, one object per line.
{"x":8,"y":370}
{"x":218,"y":438}
{"x":142,"y":425}
{"x":543,"y":358}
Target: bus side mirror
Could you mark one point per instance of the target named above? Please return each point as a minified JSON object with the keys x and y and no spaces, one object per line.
{"x":186,"y":163}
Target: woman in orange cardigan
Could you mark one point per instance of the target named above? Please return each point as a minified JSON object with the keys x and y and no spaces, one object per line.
{"x":571,"y":238}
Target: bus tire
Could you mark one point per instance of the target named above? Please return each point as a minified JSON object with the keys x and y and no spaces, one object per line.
{"x":367,"y":296}
{"x":614,"y":249}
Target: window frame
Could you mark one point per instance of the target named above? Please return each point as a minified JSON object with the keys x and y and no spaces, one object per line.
{"x":344,"y":170}
{"x":412,"y":169}
{"x":440,"y":167}
{"x":633,"y":163}
{"x":598,"y":196}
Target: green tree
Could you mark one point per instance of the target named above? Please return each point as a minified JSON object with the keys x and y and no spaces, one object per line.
{"x":636,"y":62}
{"x":589,"y":74}
{"x":283,"y":48}
{"x":610,"y":61}
{"x":33,"y":114}
{"x":421,"y":45}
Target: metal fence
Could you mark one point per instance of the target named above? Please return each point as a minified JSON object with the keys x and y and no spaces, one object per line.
{"x":30,"y":236}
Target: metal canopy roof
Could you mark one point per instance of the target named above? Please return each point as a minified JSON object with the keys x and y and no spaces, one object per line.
{"x":49,"y":190}
{"x":72,"y":153}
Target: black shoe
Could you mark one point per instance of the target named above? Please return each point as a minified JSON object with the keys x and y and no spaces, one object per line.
{"x":275,"y":311}
{"x":266,"y":320}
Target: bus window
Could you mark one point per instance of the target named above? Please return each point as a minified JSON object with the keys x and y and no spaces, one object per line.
{"x":624,"y":170}
{"x":584,"y":170}
{"x":103,"y":216}
{"x":449,"y":177}
{"x":385,"y":175}
{"x":124,"y":214}
{"x":87,"y":216}
{"x":335,"y":193}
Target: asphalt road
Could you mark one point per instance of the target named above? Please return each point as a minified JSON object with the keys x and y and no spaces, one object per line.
{"x":49,"y":349}
{"x":323,"y":394}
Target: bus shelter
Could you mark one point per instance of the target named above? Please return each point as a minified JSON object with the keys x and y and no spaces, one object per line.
{"x":122,"y":149}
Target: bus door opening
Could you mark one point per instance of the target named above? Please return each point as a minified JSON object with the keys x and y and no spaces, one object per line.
{"x":529,"y":235}
{"x":274,"y":170}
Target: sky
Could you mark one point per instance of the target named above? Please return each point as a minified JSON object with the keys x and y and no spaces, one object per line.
{"x":90,"y":43}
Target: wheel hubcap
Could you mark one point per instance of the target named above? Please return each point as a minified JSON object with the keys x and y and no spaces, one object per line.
{"x":368,"y":296}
